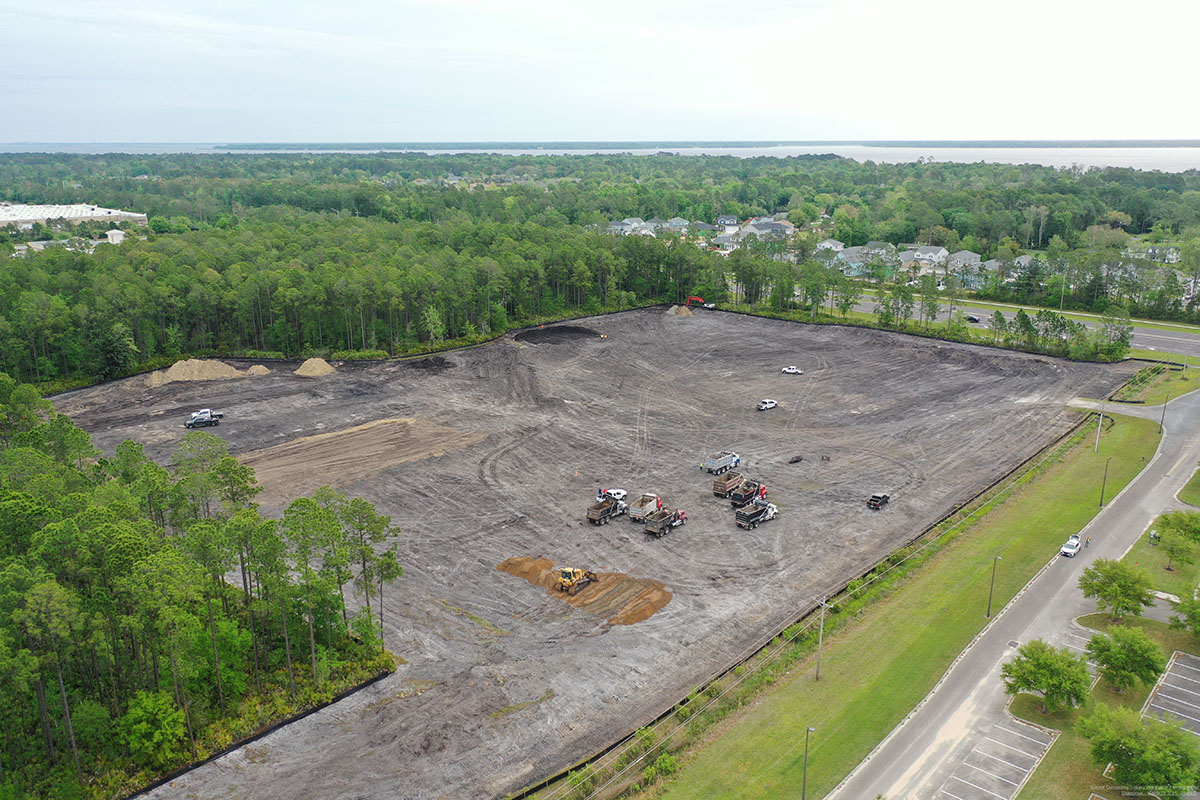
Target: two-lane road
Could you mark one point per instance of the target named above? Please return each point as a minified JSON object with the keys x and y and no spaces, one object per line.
{"x":919,"y":759}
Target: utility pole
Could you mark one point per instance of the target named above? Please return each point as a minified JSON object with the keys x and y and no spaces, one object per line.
{"x":1163,"y":421}
{"x":992,"y":587}
{"x":821,"y":636}
{"x":1099,"y":424}
{"x":1104,"y":482}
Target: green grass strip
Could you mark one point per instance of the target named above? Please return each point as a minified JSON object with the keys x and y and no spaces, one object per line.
{"x":880,"y":665}
{"x":1190,"y":493}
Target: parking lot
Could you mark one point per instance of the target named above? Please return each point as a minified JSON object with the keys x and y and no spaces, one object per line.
{"x":1178,"y":692}
{"x":999,"y":763}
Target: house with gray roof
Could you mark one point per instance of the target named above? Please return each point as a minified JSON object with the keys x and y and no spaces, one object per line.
{"x":831,"y":244}
{"x":931,"y":255}
{"x":964,"y":258}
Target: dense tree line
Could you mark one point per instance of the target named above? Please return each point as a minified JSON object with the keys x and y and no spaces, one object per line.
{"x":150,"y":615}
{"x":296,"y":253}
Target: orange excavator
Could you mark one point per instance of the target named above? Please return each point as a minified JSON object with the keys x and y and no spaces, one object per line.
{"x":693,"y":299}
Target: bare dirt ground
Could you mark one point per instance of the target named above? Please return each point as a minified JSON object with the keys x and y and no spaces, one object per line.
{"x":492,"y":454}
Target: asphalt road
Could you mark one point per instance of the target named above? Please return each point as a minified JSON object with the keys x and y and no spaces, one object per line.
{"x":1145,"y":337}
{"x":921,"y":754}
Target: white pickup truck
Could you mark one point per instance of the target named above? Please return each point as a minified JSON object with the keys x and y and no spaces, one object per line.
{"x":203,"y":418}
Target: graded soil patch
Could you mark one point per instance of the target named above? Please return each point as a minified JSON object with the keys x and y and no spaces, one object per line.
{"x":343,"y":457}
{"x":623,"y":599}
{"x":556,"y":334}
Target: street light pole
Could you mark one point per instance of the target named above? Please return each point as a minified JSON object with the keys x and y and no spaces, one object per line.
{"x":804,"y":781}
{"x":1163,"y":421}
{"x":1104,"y":481}
{"x":992,"y":587}
{"x":821,"y":637}
{"x":1100,"y":424}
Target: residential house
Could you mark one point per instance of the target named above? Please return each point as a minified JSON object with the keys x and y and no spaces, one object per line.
{"x":1023,"y":262}
{"x":964,"y":258}
{"x":852,"y":261}
{"x":677,"y":225}
{"x":654,"y":223}
{"x":702,"y":228}
{"x":879,"y":249}
{"x":725,"y":242}
{"x":831,"y":244}
{"x":907,"y":258}
{"x":728,"y":223}
{"x":931,"y":256}
{"x":620,"y":228}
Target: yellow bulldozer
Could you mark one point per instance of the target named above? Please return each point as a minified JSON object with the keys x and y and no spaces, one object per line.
{"x":572,"y":579}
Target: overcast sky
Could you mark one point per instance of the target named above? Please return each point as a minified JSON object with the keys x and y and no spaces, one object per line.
{"x":528,"y":70}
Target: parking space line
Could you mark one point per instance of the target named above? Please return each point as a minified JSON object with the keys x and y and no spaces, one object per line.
{"x":1177,"y":700}
{"x":1181,"y":677}
{"x":1173,"y":711}
{"x":977,"y":786}
{"x":944,"y":790}
{"x":1185,"y":666}
{"x":985,"y":772}
{"x":1179,"y":688}
{"x":1011,"y":747}
{"x":1023,"y":736}
{"x":1077,"y":636}
{"x":1157,"y":718}
{"x":1074,"y":647}
{"x":1001,"y":760}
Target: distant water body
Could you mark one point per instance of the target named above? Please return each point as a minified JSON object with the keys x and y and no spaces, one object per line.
{"x":1166,"y":158}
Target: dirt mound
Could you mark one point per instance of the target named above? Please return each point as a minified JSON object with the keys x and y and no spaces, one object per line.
{"x":556,"y":334}
{"x":197,"y":369}
{"x":314,"y":368}
{"x":625,"y":600}
{"x":680,"y":311}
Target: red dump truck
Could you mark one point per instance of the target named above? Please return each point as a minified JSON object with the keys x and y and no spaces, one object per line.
{"x":663,"y":520}
{"x":724,"y":484}
{"x":644,"y":506}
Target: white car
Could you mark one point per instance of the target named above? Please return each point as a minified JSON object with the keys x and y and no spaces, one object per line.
{"x":1071,"y":547}
{"x":766,"y":405}
{"x":792,"y":371}
{"x":615,"y":494}
{"x":710,"y":305}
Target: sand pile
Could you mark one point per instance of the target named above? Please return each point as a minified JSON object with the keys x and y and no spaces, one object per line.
{"x":681,"y":311}
{"x":196,"y":369}
{"x":625,"y":600}
{"x":314,"y":368}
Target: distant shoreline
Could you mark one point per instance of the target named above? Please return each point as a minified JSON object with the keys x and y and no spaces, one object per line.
{"x":640,"y":145}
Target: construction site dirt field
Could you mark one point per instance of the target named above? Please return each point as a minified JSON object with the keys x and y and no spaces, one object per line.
{"x":488,"y":458}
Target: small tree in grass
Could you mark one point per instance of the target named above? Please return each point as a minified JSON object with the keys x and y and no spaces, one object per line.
{"x":1060,"y":676}
{"x":1150,"y":753}
{"x":1187,"y":616}
{"x":1126,"y":655}
{"x":1176,"y":548}
{"x":1117,"y":587}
